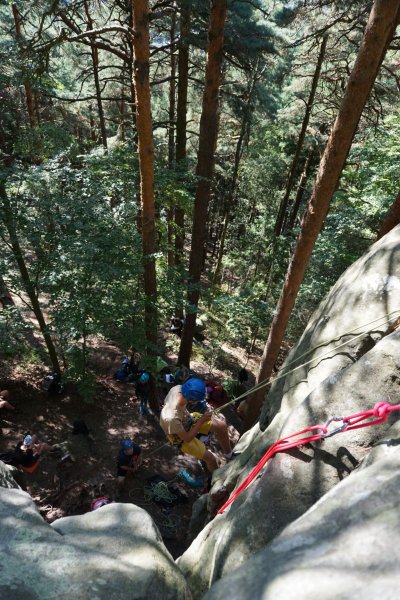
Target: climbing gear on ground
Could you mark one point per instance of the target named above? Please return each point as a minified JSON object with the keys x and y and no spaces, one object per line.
{"x":378,"y":414}
{"x":99,"y":502}
{"x":197,"y":482}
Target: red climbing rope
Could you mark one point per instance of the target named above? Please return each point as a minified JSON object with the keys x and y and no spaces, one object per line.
{"x":379,"y":414}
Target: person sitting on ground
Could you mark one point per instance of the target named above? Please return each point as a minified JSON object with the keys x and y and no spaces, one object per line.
{"x":4,"y":403}
{"x":181,"y":427}
{"x":128,"y":461}
{"x":29,"y":451}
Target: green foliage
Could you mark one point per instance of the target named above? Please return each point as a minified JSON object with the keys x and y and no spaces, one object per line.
{"x":12,"y":332}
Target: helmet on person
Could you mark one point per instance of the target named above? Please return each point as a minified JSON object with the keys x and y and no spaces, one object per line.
{"x":28,"y":440}
{"x":127,"y":443}
{"x":144,"y":378}
{"x":194,"y":389}
{"x":125,"y":362}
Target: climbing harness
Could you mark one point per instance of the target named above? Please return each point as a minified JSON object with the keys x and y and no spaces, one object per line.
{"x":377,"y":415}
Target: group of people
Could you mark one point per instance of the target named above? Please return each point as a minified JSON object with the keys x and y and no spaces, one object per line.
{"x":185,"y":416}
{"x":29,"y":450}
{"x":183,"y":427}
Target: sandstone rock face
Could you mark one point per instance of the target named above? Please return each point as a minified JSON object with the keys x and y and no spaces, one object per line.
{"x":354,"y":316}
{"x":355,"y":357}
{"x":7,"y":474}
{"x":321,"y":519}
{"x":113,"y":553}
{"x":345,"y":547}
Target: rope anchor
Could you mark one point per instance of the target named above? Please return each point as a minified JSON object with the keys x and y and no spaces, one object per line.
{"x":377,"y":415}
{"x":327,"y":434}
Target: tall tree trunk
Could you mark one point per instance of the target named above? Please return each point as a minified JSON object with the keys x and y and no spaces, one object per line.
{"x":146,"y":160}
{"x":377,"y":36}
{"x":293,"y":168}
{"x":204,"y":171}
{"x":8,"y":220}
{"x":93,"y":135}
{"x":5,"y":296}
{"x":391,"y":219}
{"x":171,"y":145}
{"x":244,"y":134}
{"x":289,"y":224}
{"x":121,"y":108}
{"x":95,"y":62}
{"x":181,"y":111}
{"x":29,"y":96}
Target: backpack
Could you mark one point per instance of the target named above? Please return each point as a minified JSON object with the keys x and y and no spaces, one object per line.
{"x":52,"y":384}
{"x":243,"y":375}
{"x":9,"y":458}
{"x":99,"y":502}
{"x":79,"y":426}
{"x":218,"y":396}
{"x":121,"y":374}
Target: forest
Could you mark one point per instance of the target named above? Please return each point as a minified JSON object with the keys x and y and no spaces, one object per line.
{"x":219,"y":162}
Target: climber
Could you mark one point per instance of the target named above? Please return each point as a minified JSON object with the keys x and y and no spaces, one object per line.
{"x":181,"y":427}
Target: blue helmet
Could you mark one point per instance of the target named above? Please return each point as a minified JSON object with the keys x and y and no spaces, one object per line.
{"x":125,"y":362}
{"x":194,"y":389}
{"x":126,"y":444}
{"x":144,"y":377}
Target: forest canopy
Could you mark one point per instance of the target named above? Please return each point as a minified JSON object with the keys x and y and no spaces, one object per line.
{"x":157,"y":158}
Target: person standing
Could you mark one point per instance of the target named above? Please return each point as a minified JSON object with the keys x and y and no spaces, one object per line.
{"x":143,"y":391}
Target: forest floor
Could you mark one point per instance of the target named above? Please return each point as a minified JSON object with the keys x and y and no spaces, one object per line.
{"x":67,"y":487}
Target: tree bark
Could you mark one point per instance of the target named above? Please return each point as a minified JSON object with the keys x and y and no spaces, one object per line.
{"x":181,"y":111}
{"x":293,"y":168}
{"x":171,"y":144}
{"x":29,"y":96}
{"x":95,"y":61}
{"x":26,"y":281}
{"x":289,"y":224}
{"x":377,"y":36}
{"x":244,"y":134}
{"x":391,"y":219}
{"x":204,"y":170}
{"x":5,"y":296}
{"x":141,"y":70}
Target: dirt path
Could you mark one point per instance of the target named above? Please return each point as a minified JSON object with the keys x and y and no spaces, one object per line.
{"x":67,"y":487}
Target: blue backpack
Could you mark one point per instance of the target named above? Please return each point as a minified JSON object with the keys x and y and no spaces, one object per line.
{"x":121,"y":374}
